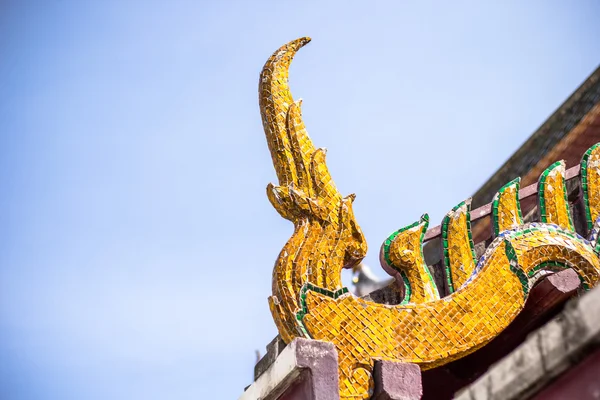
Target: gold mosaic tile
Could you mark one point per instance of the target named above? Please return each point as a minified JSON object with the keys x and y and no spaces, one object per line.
{"x":552,"y":192}
{"x":486,"y":295}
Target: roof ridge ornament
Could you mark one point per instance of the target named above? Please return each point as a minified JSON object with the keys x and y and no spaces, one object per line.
{"x":486,"y":294}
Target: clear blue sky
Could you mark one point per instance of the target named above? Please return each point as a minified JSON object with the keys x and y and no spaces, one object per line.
{"x":136,"y":239}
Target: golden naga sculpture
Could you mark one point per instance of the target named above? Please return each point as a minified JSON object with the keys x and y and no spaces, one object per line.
{"x":485,"y":294}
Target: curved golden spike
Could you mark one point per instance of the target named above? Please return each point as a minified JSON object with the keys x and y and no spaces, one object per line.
{"x":457,"y":245}
{"x":552,"y":193}
{"x":275,"y":99}
{"x":326,"y":237}
{"x":506,"y":209}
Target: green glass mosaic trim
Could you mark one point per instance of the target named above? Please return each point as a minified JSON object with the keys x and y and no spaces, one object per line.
{"x":515,"y":268}
{"x":548,"y":266}
{"x":304,"y":309}
{"x":445,"y":222}
{"x":545,"y":228}
{"x":556,"y":266}
{"x":496,"y":203}
{"x":597,"y":245}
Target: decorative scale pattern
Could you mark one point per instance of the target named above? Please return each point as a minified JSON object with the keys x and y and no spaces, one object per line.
{"x":486,"y":294}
